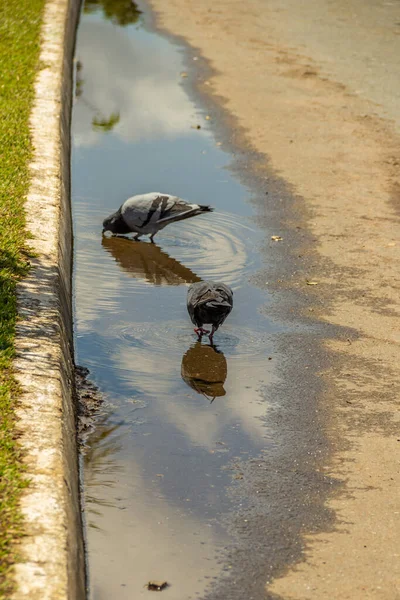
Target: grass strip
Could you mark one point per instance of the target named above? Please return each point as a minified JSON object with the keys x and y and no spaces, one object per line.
{"x":20,"y":22}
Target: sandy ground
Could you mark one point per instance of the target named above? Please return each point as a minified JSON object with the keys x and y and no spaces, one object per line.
{"x":315,"y":87}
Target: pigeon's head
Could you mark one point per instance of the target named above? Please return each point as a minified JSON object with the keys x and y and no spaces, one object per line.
{"x":116,"y":223}
{"x":111,"y":224}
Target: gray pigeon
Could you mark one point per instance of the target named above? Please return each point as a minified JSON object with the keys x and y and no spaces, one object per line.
{"x":146,"y":214}
{"x":209,"y":302}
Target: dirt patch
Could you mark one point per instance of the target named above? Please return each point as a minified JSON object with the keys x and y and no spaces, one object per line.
{"x":89,"y":402}
{"x":328,"y":142}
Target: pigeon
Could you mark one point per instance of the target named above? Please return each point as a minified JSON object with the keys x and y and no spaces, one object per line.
{"x":209,"y":302}
{"x":146,"y":214}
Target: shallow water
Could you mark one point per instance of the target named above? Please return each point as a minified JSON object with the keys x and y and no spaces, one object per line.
{"x":177,"y":413}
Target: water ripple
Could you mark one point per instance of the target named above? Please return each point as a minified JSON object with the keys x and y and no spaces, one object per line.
{"x":216,"y":247}
{"x":171,"y":338}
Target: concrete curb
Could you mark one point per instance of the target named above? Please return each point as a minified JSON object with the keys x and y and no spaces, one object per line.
{"x":51,"y":563}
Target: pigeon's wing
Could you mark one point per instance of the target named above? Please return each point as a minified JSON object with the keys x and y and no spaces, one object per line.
{"x":225,"y":291}
{"x":179,"y":209}
{"x":195,"y":292}
{"x":146,"y":209}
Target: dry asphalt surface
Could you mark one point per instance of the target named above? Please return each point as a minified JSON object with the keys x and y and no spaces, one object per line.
{"x":314,"y":87}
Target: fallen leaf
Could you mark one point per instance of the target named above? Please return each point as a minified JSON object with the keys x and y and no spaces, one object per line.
{"x":276,"y":238}
{"x":184,"y":74}
{"x":157,"y":586}
{"x":208,"y":118}
{"x":309,"y":282}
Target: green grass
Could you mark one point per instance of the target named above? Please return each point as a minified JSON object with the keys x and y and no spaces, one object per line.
{"x":20,"y":22}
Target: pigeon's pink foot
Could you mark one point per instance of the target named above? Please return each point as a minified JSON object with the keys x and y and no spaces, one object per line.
{"x":200,"y":331}
{"x":211,"y":336}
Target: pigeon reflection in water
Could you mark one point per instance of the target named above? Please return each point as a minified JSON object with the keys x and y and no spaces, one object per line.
{"x":204,"y":369}
{"x":148,"y":262}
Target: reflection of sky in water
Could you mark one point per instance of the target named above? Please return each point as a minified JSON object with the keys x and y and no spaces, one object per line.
{"x":157,"y":470}
{"x":133,"y":76}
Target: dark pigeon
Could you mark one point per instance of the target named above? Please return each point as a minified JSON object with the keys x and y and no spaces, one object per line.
{"x":209,"y":302}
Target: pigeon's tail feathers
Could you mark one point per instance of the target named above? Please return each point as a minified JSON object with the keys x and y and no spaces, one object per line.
{"x":206,"y":208}
{"x":187,"y":214}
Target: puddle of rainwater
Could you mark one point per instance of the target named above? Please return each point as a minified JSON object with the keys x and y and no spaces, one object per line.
{"x":177,"y":413}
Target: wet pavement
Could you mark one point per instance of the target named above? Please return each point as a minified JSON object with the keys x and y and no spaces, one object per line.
{"x":179,"y":416}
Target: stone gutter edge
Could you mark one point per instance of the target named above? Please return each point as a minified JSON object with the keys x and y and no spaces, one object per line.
{"x":51,"y":564}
